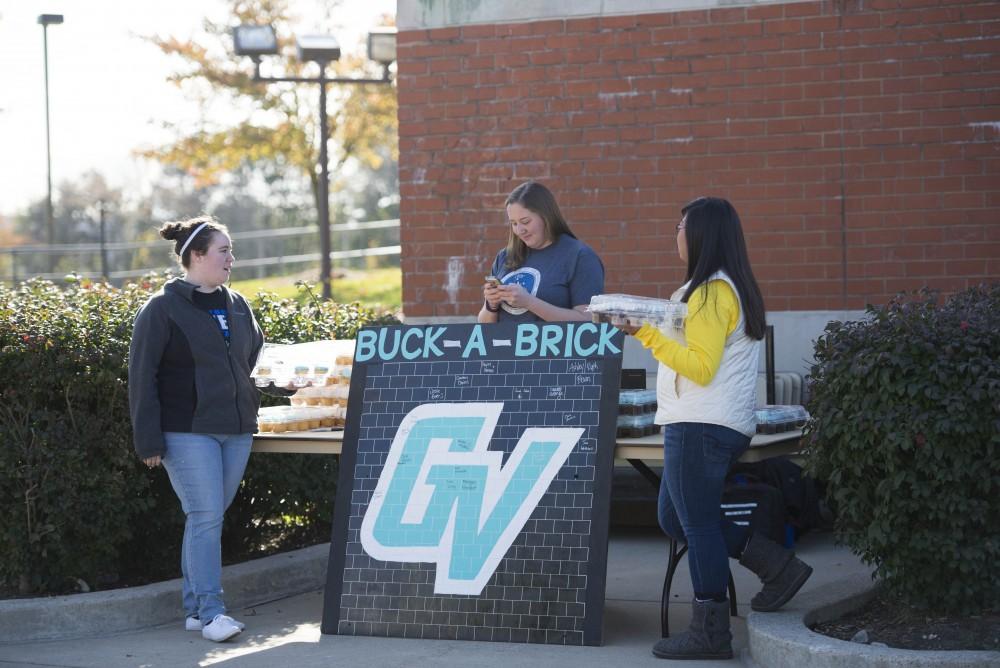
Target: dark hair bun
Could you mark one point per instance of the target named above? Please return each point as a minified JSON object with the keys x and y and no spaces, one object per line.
{"x":170,"y":231}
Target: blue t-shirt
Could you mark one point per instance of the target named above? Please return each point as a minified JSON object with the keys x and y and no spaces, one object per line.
{"x":566,"y":273}
{"x":215,"y":304}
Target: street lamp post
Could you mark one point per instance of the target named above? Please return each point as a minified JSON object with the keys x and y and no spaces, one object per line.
{"x":103,"y":238}
{"x":46,"y":20}
{"x":256,"y":41}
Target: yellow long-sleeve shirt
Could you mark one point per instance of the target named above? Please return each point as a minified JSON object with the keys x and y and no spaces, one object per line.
{"x":712,"y":316}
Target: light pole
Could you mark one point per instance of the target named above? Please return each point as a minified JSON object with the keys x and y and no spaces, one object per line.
{"x":46,"y":20}
{"x":256,"y":41}
{"x":103,"y":238}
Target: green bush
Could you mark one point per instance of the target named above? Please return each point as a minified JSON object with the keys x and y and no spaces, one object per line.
{"x":77,"y":503}
{"x":906,"y":430}
{"x":70,"y":487}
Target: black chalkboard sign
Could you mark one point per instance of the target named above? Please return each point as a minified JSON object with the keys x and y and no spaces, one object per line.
{"x":474,"y":484}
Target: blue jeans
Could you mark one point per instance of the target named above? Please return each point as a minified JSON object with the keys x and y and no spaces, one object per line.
{"x":205,"y":471}
{"x":696,"y":458}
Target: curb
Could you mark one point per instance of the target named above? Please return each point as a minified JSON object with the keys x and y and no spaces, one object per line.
{"x":106,"y":612}
{"x":783,"y":639}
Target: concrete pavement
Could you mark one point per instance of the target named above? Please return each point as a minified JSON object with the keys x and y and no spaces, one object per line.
{"x":285,"y":631}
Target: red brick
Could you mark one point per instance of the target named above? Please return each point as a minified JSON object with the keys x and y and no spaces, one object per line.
{"x":823,"y":57}
{"x":765,"y":12}
{"x":617,"y":22}
{"x":634,"y":69}
{"x":736,"y":31}
{"x":691,"y":18}
{"x":761,"y":78}
{"x":582,"y":88}
{"x":904,"y":186}
{"x":582,"y":56}
{"x":444,"y":34}
{"x":981,"y":183}
{"x":960,"y":31}
{"x":972,"y":268}
{"x":745,"y":61}
{"x":527,"y":75}
{"x":586,"y":25}
{"x":801,"y":42}
{"x":650,"y":20}
{"x":984,"y":251}
{"x":897,"y":86}
{"x":555,"y":26}
{"x":819,"y":24}
{"x":727,"y":15}
{"x":782,"y":27}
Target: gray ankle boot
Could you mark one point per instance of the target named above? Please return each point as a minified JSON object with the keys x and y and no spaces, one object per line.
{"x":782,"y":573}
{"x":708,"y":637}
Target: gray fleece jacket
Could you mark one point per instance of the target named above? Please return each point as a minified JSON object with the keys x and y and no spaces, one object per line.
{"x":181,"y":374}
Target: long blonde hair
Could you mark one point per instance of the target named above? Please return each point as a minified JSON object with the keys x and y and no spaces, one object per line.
{"x":536,"y":198}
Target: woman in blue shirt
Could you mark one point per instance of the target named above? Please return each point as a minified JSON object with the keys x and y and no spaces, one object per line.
{"x":545,"y":272}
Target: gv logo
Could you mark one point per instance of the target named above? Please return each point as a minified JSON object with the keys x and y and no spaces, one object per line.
{"x":444,"y":498}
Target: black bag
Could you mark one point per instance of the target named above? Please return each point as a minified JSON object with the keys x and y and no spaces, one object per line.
{"x":802,"y":497}
{"x":758,"y":506}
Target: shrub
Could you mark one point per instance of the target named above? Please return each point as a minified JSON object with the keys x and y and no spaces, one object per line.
{"x":70,"y":487}
{"x":77,"y":502}
{"x":906,"y":430}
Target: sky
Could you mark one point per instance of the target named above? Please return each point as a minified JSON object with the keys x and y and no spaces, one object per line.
{"x":108,"y":93}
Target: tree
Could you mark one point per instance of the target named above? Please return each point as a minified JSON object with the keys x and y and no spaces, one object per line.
{"x":77,"y":217}
{"x":8,"y":237}
{"x":279,"y":125}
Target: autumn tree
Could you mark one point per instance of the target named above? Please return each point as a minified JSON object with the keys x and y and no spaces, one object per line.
{"x":279,"y":126}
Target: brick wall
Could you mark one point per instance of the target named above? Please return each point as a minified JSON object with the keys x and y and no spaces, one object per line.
{"x":860,"y":144}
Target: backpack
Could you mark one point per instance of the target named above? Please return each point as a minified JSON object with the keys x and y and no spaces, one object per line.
{"x":799,"y":492}
{"x":758,"y":506}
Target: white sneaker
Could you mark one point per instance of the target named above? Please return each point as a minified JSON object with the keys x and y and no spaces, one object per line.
{"x":194,"y":624}
{"x":222,"y":627}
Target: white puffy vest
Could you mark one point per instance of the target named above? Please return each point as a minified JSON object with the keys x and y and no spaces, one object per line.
{"x":731,"y":396}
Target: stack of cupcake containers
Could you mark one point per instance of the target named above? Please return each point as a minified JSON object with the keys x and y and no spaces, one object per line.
{"x":636,"y":409}
{"x":322,"y":372}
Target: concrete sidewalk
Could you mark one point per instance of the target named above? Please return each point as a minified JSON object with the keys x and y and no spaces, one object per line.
{"x":285,"y":632}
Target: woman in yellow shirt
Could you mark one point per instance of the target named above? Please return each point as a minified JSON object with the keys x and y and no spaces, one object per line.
{"x":706,"y":395}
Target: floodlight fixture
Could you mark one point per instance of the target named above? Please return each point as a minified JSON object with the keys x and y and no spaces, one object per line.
{"x":317,"y":48}
{"x":382,"y":45}
{"x":255,"y":41}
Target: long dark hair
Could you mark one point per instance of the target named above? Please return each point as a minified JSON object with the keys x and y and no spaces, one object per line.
{"x":715,"y":243}
{"x":536,"y":198}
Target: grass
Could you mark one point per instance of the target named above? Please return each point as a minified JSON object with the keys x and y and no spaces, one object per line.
{"x":375,"y":288}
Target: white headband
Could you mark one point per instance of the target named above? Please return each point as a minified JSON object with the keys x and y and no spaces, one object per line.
{"x":190,"y":237}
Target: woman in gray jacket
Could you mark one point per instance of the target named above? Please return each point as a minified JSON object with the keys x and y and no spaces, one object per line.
{"x":194,"y":405}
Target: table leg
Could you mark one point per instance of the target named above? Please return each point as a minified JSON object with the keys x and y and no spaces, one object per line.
{"x":672,"y":562}
{"x":646,"y":472}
